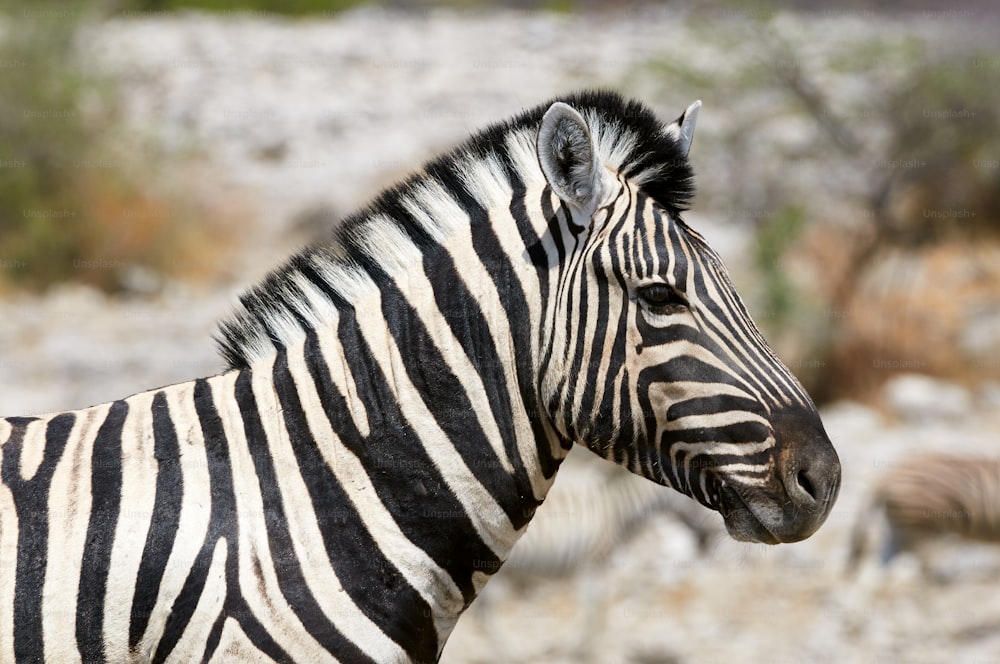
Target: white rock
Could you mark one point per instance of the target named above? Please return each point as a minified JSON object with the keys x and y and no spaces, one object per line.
{"x":988,"y":396}
{"x":916,"y":398}
{"x":980,"y":340}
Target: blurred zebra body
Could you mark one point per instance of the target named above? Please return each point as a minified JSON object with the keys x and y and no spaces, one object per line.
{"x":397,"y":404}
{"x":595,"y":509}
{"x":591,"y":514}
{"x":928,"y":497}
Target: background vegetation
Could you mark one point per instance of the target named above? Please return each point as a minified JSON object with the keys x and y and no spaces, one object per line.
{"x":877,"y":220}
{"x":80,"y":196}
{"x":875,"y":217}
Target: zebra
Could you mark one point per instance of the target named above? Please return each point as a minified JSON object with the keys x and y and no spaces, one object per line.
{"x":929,"y":496}
{"x":397,"y":402}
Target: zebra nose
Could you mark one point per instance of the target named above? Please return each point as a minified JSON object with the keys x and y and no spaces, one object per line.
{"x":811,"y":483}
{"x":809,"y":471}
{"x":804,"y":484}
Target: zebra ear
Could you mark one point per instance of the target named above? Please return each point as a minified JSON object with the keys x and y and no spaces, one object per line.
{"x":682,"y":129}
{"x":568,"y":156}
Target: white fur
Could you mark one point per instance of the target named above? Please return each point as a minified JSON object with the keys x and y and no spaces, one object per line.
{"x":682,"y":129}
{"x":485,"y":180}
{"x":579,"y":184}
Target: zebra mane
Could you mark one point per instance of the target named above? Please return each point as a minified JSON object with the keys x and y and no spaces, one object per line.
{"x":315,"y":283}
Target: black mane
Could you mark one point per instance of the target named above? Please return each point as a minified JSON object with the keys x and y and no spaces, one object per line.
{"x":276,"y":310}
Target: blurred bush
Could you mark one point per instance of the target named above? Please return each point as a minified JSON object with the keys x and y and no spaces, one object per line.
{"x":920,"y":286}
{"x":868,"y":171}
{"x":326,"y":7}
{"x":43,"y":133}
{"x":944,"y":143}
{"x":779,"y":294}
{"x":289,"y":7}
{"x":76,"y":199}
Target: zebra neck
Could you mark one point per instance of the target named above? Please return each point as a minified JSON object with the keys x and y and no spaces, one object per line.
{"x":408,"y":427}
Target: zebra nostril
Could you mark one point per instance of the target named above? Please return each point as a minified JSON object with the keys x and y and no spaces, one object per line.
{"x":806,"y":484}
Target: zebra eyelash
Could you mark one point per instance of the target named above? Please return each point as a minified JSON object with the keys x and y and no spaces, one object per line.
{"x":661,"y":298}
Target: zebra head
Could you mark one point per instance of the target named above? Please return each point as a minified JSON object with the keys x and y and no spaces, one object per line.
{"x":660,"y":367}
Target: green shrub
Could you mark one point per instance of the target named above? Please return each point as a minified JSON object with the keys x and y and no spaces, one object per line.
{"x":42,"y":133}
{"x":288,"y":7}
{"x":75,"y":205}
{"x":779,"y":296}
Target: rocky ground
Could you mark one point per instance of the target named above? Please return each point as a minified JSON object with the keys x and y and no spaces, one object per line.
{"x":659,"y":599}
{"x":306,"y":119}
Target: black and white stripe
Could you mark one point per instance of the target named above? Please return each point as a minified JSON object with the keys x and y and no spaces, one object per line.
{"x":399,"y":400}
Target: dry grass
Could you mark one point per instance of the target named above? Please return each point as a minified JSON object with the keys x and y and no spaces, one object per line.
{"x":910,"y":310}
{"x":119,"y":236}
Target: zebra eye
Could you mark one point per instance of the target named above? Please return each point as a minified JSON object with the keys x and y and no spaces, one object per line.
{"x":662,"y":299}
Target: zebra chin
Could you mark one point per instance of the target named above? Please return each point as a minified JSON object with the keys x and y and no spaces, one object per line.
{"x":741,"y":522}
{"x":771,"y":521}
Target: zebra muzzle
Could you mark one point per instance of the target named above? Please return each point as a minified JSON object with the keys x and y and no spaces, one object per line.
{"x":800,"y":493}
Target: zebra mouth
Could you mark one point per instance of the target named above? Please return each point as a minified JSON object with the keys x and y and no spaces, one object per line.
{"x":741,"y":522}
